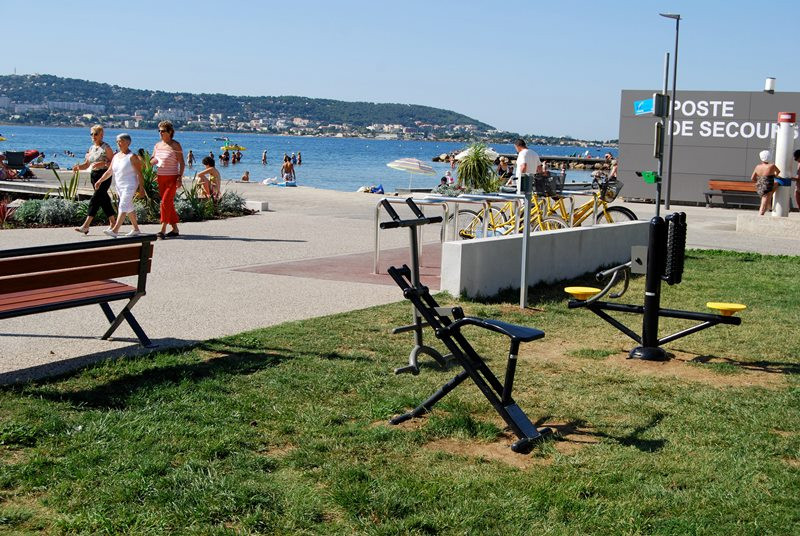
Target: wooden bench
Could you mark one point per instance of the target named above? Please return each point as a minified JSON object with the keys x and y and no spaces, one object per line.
{"x":48,"y":278}
{"x":736,"y":192}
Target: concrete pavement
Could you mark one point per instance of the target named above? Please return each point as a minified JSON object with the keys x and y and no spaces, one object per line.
{"x":211,"y":281}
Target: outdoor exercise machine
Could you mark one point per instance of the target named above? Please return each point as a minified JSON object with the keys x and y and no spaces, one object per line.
{"x":447,"y":324}
{"x":661,"y":260}
{"x":417,"y":326}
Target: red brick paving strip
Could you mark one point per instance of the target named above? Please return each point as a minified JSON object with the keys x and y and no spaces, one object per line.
{"x":357,"y":268}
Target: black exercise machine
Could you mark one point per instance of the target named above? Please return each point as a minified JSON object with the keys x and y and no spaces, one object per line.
{"x":416,"y":327}
{"x":663,"y":260}
{"x":447,"y":323}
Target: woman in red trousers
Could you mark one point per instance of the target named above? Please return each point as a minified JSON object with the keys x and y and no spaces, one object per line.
{"x":168,"y":156}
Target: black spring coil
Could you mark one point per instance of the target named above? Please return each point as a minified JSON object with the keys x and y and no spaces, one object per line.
{"x":676,"y":248}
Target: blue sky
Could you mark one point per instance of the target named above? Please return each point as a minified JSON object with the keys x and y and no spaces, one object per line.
{"x":554,"y":68}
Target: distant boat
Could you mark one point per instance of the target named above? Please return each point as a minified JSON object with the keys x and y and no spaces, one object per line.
{"x":221,"y":139}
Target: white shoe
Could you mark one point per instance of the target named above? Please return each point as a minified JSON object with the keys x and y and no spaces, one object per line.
{"x":110,"y":233}
{"x":133,"y":232}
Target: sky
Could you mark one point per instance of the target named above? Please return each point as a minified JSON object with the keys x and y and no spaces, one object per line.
{"x":552,"y":68}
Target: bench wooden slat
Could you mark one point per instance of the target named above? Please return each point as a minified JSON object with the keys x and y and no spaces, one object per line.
{"x":65,"y":291}
{"x":59,"y":278}
{"x":71,"y":259}
{"x":732,"y":186}
{"x":60,"y":295}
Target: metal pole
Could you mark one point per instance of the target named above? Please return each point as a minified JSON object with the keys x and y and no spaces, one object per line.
{"x":672,"y":113}
{"x":649,"y":350}
{"x":526,"y":234}
{"x":661,"y":149}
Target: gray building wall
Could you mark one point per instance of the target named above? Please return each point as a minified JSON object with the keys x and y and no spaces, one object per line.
{"x":718,"y":135}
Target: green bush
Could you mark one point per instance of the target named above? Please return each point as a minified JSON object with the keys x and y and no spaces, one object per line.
{"x":231,"y":203}
{"x":143,"y":212}
{"x":57,"y":211}
{"x":28,"y":212}
{"x":185,"y":209}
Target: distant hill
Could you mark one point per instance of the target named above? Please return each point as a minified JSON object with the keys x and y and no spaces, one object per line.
{"x":39,"y":89}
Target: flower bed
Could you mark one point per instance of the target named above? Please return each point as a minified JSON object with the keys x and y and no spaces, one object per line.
{"x":56,"y":212}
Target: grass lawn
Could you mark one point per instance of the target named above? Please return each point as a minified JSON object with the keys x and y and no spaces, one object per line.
{"x":283,"y":430}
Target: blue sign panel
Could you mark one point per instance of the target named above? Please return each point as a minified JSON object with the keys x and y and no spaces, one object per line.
{"x":642,"y":107}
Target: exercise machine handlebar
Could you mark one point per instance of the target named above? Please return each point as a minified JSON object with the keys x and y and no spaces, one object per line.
{"x":396,"y":222}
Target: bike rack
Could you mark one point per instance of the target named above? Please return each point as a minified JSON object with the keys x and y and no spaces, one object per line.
{"x":664,"y":262}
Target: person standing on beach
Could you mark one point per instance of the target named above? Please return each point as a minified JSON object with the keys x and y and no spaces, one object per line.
{"x":168,"y":156}
{"x":287,"y":170}
{"x":126,"y":167}
{"x":528,"y":162}
{"x":190,"y":159}
{"x":98,"y":158}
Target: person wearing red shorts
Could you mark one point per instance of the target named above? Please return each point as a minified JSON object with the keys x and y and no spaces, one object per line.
{"x":168,"y":156}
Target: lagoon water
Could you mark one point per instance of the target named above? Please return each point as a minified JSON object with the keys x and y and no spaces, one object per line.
{"x":342,"y":164}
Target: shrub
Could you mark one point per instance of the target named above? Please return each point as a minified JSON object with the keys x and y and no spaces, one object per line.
{"x":28,"y":212}
{"x":184,"y":209}
{"x":231,"y":203}
{"x":143,"y":212}
{"x":57,"y":211}
{"x":448,"y":190}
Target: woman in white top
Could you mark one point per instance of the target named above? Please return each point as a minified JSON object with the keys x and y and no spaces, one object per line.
{"x":126,"y":167}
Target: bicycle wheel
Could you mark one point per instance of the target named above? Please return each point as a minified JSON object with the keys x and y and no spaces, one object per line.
{"x":550,"y":223}
{"x":466,"y":222}
{"x":615,"y":215}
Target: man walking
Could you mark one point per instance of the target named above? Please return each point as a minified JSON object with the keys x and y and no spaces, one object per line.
{"x":527,"y":162}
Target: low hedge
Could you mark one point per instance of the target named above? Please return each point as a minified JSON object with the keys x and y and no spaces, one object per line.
{"x":55,"y":212}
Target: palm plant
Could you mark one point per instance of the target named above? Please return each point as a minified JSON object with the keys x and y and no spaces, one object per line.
{"x":150,"y":184}
{"x":67,"y":190}
{"x":476,"y":169}
{"x":201,"y":207}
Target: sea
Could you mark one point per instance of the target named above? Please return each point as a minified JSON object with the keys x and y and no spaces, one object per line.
{"x":343,"y":164}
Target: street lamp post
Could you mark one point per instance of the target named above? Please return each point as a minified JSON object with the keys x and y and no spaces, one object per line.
{"x":677,"y":19}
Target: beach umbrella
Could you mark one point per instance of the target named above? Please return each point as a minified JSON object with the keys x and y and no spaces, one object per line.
{"x":411,"y":166}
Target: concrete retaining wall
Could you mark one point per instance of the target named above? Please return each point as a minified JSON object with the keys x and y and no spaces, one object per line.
{"x":484,"y":266}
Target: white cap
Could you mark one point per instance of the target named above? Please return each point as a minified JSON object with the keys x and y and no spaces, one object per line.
{"x":765,"y":155}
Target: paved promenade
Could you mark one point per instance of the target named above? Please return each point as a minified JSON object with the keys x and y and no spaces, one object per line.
{"x":225,"y":277}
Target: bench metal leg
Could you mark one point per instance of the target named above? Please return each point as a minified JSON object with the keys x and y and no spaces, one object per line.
{"x":108,"y":312}
{"x":126,"y":315}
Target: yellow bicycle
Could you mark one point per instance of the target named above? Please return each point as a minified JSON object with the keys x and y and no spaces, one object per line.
{"x":605,"y":191}
{"x":503,"y":221}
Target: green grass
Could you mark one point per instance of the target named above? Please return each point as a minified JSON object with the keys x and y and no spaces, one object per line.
{"x":282,"y":430}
